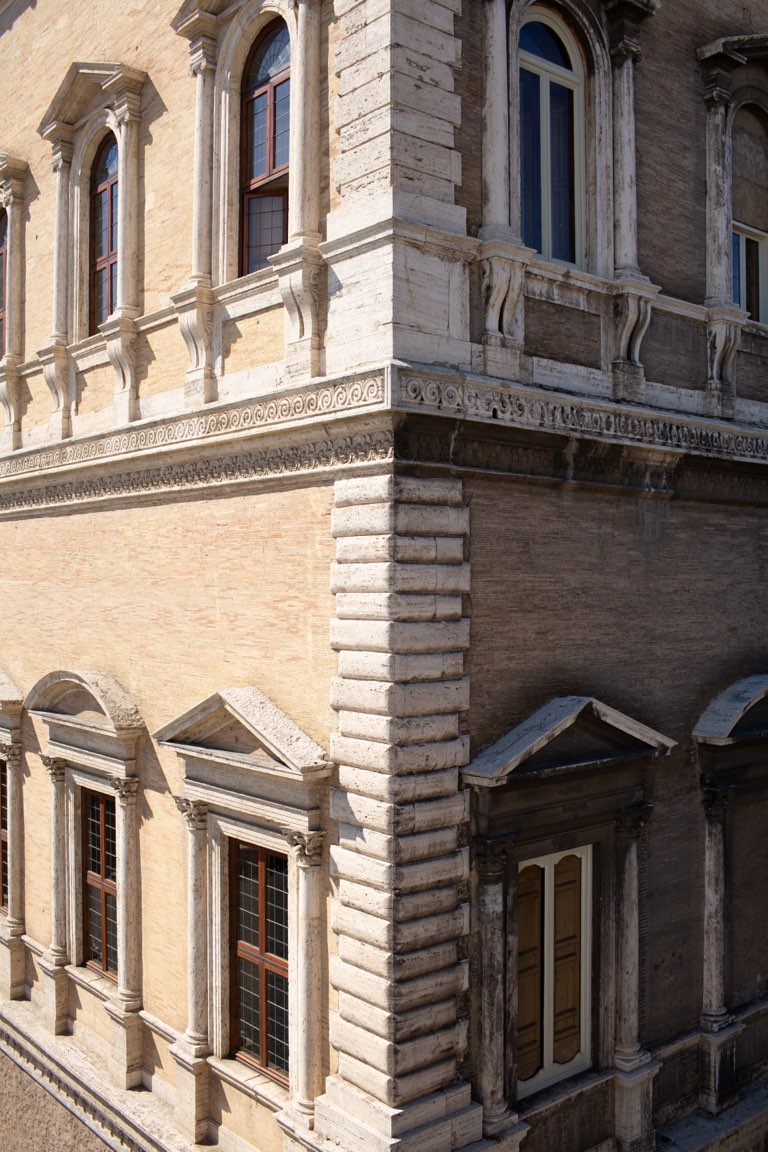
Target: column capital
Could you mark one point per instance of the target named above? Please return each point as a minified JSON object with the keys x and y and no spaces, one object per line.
{"x":631,"y":820}
{"x":714,"y":797}
{"x":126,"y":789}
{"x":490,"y":860}
{"x":625,"y":48}
{"x":307,"y":847}
{"x":195,"y":812}
{"x":11,"y":753}
{"x":55,"y":767}
{"x":63,"y":148}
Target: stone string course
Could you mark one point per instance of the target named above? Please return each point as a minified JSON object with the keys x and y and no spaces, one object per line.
{"x":400,"y":633}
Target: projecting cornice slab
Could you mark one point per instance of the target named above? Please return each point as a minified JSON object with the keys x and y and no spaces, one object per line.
{"x":735,"y":50}
{"x":735,"y":714}
{"x":604,"y":734}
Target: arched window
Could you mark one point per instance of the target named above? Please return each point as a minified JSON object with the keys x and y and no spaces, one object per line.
{"x":265,"y":121}
{"x":3,"y":277}
{"x":104,"y":199}
{"x":750,"y":211}
{"x":551,"y":139}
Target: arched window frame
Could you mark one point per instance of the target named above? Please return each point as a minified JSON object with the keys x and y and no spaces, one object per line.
{"x":575,"y":23}
{"x":109,"y":259}
{"x":753,"y":98}
{"x":235,"y":50}
{"x":572,"y":79}
{"x":271,"y":183}
{"x":3,"y":278}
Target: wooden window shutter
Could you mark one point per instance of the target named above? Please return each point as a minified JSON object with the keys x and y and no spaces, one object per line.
{"x":567,"y":960}
{"x":530,"y":983}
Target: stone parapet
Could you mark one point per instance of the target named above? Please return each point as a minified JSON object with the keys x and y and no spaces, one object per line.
{"x":399,"y":915}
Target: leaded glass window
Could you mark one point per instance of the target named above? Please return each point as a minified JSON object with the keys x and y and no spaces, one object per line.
{"x":259,"y":951}
{"x":3,"y":277}
{"x":104,"y":213}
{"x":100,"y":883}
{"x":266,"y":100}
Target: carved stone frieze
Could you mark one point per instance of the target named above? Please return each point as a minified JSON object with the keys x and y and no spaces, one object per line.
{"x":289,"y":407}
{"x":208,"y":472}
{"x":523,"y":408}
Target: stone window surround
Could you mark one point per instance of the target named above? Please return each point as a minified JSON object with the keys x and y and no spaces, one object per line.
{"x":93,"y":100}
{"x":12,"y":921}
{"x":12,"y":199}
{"x":218,"y":55}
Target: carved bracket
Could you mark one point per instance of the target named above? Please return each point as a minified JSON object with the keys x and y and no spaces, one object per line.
{"x":723,"y":343}
{"x":633,"y":311}
{"x":503,"y":268}
{"x":58,"y":372}
{"x":120,"y":334}
{"x":299,"y":267}
{"x":10,"y":383}
{"x":195,"y":309}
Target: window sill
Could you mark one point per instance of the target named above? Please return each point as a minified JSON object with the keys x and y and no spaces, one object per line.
{"x":100,"y":986}
{"x":555,"y":1094}
{"x":254,"y":1084}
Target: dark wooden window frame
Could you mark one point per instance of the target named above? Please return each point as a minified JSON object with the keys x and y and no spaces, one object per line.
{"x":261,"y":960}
{"x":110,"y":258}
{"x":4,"y":852}
{"x":96,"y":882}
{"x":261,"y":186}
{"x":3,"y":280}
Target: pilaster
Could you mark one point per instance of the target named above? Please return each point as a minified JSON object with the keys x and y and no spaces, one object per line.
{"x":192,"y":1102}
{"x":11,"y":946}
{"x":57,"y":367}
{"x":399,"y":917}
{"x":12,"y":199}
{"x":126,"y":1054}
{"x":55,"y":988}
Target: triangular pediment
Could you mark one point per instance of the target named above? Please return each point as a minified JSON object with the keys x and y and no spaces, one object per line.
{"x":738,"y":713}
{"x":87,"y":87}
{"x":565,"y":732}
{"x":242,"y":727}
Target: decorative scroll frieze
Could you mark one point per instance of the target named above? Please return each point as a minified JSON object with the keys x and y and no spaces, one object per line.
{"x":206,"y":473}
{"x":289,"y":407}
{"x":524,"y":408}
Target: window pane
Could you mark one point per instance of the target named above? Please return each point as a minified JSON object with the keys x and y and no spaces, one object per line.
{"x":100,"y":238}
{"x":111,"y":934}
{"x":105,"y":166}
{"x":541,"y":41}
{"x":266,"y":225}
{"x":94,"y":835}
{"x":248,"y":896}
{"x":113,"y":218}
{"x":277,"y":906}
{"x":530,"y":961}
{"x":110,"y":840}
{"x":282,"y":122}
{"x":248,"y":999}
{"x":2,"y":277}
{"x":752,"y":277}
{"x":567,"y":960}
{"x":562,"y":167}
{"x":736,"y":242}
{"x":530,"y":157}
{"x":4,"y":833}
{"x":4,"y":873}
{"x":94,"y":931}
{"x":271,"y":58}
{"x":3,"y":796}
{"x":256,"y":138}
{"x":277,"y":1021}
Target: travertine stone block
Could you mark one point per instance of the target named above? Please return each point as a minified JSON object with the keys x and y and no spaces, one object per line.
{"x":395,"y":636}
{"x":416,"y":758}
{"x":390,"y":666}
{"x":397,"y":730}
{"x":406,"y":549}
{"x":418,"y":786}
{"x":398,"y":577}
{"x":384,"y":698}
{"x":396,"y":606}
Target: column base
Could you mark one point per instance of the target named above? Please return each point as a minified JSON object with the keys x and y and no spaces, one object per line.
{"x":192,"y":1106}
{"x":351,"y":1119}
{"x":628,"y":382}
{"x":501,"y":356}
{"x":55,"y":988}
{"x":126,"y":1056}
{"x":717,"y":1063}
{"x":11,"y":968}
{"x":633,"y":1104}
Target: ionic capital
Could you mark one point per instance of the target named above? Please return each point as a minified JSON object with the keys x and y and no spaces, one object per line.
{"x":195,"y":812}
{"x":55,"y":767}
{"x":631,"y":820}
{"x":11,"y":753}
{"x":126,"y":789}
{"x":490,"y":861}
{"x":714,"y":797}
{"x":307,"y":847}
{"x":624,"y":50}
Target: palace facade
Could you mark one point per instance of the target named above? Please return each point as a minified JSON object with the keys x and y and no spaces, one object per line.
{"x":384,"y":648}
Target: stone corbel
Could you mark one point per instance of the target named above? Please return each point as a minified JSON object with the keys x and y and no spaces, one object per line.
{"x":724,"y":327}
{"x":633,"y":309}
{"x":58,"y":374}
{"x":120,"y":335}
{"x":195,"y":309}
{"x":299,"y":267}
{"x":9,"y":398}
{"x":503,"y":265}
